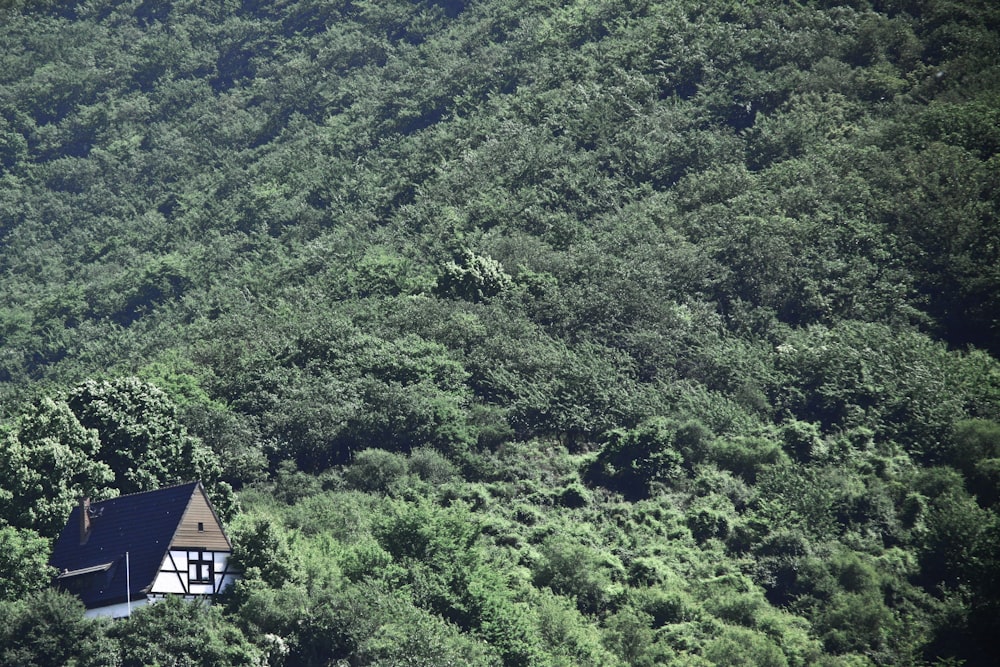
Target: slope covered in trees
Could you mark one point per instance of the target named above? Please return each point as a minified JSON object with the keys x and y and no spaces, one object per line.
{"x":605,"y":332}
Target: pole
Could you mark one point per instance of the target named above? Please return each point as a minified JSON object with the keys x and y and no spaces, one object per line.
{"x":128,"y":586}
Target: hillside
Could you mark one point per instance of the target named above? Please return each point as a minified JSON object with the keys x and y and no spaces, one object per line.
{"x":613,"y":332}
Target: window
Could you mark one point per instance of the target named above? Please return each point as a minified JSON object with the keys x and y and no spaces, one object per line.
{"x":201,"y":567}
{"x":201,"y":527}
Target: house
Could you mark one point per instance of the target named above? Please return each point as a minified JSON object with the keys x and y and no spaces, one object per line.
{"x":129,"y":551}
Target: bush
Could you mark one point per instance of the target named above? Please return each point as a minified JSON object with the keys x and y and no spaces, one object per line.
{"x":747,"y":456}
{"x":633,"y":460}
{"x":48,"y":628}
{"x":574,"y":570}
{"x":260,"y":548}
{"x":738,"y":647}
{"x":24,"y":565}
{"x":432,"y":466}
{"x":376,"y":470}
{"x":174,"y":631}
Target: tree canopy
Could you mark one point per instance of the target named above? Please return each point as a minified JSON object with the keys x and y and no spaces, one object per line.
{"x":604,"y":332}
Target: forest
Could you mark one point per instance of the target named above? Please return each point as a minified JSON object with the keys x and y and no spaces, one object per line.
{"x":550,"y":334}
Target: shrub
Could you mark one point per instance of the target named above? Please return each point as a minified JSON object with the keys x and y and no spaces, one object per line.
{"x":376,"y":470}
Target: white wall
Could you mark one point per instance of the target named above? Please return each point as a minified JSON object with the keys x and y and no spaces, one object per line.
{"x":120,"y":610}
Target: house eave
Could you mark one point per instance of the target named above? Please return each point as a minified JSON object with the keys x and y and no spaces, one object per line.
{"x":103,"y":567}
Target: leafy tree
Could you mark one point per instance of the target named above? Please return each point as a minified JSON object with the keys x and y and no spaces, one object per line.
{"x":476,"y":278}
{"x":633,"y":461}
{"x":140,"y":438}
{"x":629,"y":635}
{"x":976,"y":454}
{"x":143,"y":442}
{"x":803,"y":440}
{"x":24,"y":568}
{"x":261,"y":550}
{"x":180,"y":632}
{"x":412,"y":636}
{"x":226,"y":433}
{"x":739,"y":646}
{"x":711,"y":518}
{"x":747,"y":456}
{"x":383,"y":272}
{"x":431,"y":466}
{"x":576,"y":571}
{"x":376,"y":470}
{"x":46,"y":465}
{"x":862,"y":374}
{"x":567,"y":634}
{"x":47,"y":627}
{"x":439,"y":546}
{"x":955,"y":540}
{"x":857,"y":623}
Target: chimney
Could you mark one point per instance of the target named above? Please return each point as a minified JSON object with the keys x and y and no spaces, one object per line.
{"x":84,"y":519}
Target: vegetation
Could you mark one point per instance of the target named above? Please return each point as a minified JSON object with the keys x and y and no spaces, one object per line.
{"x":610,"y":332}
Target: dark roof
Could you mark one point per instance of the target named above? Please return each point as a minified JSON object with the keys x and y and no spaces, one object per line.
{"x":142,"y":524}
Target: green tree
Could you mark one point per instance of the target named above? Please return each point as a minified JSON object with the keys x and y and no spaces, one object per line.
{"x":46,"y":628}
{"x":260,"y":549}
{"x":902,"y":385}
{"x":24,"y":568}
{"x":738,"y":647}
{"x":857,"y":623}
{"x":175,"y":631}
{"x":567,"y":634}
{"x":633,"y":461}
{"x":576,"y":571}
{"x":475,"y":278}
{"x":46,"y":465}
{"x":142,"y":440}
{"x":977,"y":455}
{"x":955,"y":541}
{"x":629,"y":635}
{"x":408,"y":635}
{"x":376,"y":470}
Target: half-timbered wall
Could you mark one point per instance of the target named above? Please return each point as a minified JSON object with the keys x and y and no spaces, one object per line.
{"x":192,"y":572}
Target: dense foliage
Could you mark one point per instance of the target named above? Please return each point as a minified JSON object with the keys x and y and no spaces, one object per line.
{"x":593,"y":333}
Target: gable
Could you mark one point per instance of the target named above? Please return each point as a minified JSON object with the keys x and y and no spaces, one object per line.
{"x":199,"y":526}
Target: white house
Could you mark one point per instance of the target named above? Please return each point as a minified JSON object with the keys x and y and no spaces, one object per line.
{"x":129,"y":551}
